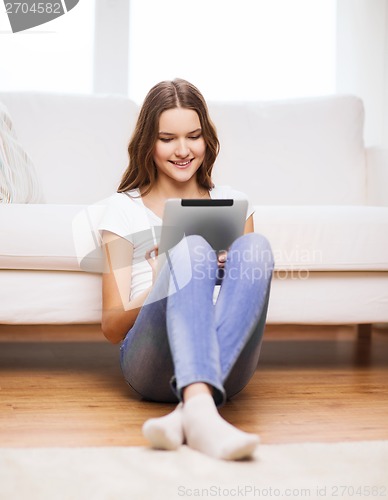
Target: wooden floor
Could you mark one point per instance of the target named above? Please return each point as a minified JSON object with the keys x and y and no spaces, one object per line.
{"x":62,"y":386}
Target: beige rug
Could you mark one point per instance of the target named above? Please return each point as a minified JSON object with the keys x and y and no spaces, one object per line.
{"x":357,"y":470}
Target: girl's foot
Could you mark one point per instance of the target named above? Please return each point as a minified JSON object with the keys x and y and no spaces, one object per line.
{"x":165,"y":433}
{"x":206,"y":431}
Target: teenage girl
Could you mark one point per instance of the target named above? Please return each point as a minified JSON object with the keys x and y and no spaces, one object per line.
{"x":187,"y":345}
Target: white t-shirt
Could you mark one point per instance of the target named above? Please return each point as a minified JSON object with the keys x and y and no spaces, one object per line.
{"x":128,"y":217}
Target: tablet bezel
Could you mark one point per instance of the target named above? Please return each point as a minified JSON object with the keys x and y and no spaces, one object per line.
{"x":219,"y":221}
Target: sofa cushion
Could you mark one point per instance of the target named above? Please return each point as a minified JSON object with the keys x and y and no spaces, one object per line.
{"x":78,"y":143}
{"x":296,"y":152}
{"x":18,"y":179}
{"x":65,"y":237}
{"x":37,"y":237}
{"x":326,"y":238}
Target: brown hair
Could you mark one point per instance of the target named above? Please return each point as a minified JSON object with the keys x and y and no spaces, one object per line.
{"x":141,"y":171}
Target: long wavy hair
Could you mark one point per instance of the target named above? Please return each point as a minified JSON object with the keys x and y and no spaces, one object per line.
{"x":141,"y":172}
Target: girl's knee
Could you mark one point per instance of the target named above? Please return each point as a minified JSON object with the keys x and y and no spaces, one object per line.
{"x":196,"y":247}
{"x":254,"y":248}
{"x":256,"y":239}
{"x":194,"y":256}
{"x":196,"y":242}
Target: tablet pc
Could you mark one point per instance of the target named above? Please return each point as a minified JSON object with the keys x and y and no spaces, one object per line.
{"x":219,"y":221}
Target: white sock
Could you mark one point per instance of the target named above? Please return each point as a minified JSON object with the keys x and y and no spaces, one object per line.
{"x":206,"y":431}
{"x":165,"y":433}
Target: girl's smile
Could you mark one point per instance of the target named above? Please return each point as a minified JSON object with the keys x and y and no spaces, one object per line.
{"x":182,"y":164}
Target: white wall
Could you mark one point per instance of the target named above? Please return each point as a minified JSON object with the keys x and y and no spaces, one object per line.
{"x":53,"y":57}
{"x":362,"y":61}
{"x":111,"y":47}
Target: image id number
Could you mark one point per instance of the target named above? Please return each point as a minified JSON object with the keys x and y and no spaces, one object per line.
{"x":359,"y":491}
{"x":35,"y":8}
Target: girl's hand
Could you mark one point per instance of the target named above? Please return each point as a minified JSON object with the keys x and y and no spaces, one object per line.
{"x":151,"y":257}
{"x":221,"y":258}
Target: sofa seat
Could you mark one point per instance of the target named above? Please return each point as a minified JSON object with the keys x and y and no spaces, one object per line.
{"x":303,"y":238}
{"x":326,"y":238}
{"x":43,"y":240}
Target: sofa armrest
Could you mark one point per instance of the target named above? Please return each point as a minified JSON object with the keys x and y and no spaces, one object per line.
{"x":377,"y":176}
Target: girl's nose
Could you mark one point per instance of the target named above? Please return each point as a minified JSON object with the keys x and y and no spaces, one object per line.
{"x":182,"y":149}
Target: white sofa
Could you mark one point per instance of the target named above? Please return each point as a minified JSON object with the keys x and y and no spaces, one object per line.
{"x":321,"y":198}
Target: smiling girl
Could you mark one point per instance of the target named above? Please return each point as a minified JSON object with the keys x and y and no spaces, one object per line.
{"x":191,"y":347}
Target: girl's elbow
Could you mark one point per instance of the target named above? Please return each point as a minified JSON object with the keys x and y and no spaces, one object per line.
{"x":109,"y":328}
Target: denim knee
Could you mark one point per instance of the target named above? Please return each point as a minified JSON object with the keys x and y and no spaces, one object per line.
{"x":198,"y":246}
{"x":193,"y":249}
{"x":252,"y":248}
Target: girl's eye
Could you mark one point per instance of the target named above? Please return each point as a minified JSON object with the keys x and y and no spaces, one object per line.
{"x":168,"y":139}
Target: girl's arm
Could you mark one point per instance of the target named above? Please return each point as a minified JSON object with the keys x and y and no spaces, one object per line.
{"x":249,"y":227}
{"x":118,"y":312}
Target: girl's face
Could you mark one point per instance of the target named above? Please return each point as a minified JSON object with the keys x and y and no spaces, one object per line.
{"x":180,"y":147}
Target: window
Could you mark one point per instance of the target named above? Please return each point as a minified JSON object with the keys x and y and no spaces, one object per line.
{"x":234,"y":50}
{"x":56,"y":56}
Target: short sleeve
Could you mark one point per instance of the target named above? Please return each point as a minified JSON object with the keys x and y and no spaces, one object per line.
{"x":124,"y":217}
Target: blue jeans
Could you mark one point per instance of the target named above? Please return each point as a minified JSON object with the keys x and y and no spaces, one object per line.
{"x":183,"y":337}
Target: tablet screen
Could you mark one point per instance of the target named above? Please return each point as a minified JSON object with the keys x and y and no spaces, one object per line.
{"x":218,"y":221}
